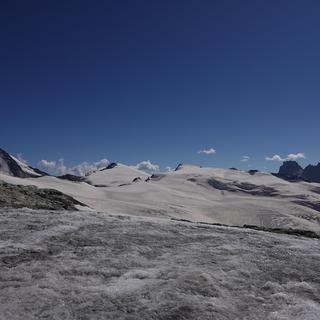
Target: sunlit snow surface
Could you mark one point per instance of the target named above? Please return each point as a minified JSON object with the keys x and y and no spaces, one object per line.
{"x":87,"y":265}
{"x":198,"y":194}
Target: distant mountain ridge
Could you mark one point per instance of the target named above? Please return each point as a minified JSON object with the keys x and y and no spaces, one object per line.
{"x":289,"y":170}
{"x":292,"y":171}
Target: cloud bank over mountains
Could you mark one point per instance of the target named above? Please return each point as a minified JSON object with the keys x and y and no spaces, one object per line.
{"x":147,"y":166}
{"x":59,"y":168}
{"x":290,"y":157}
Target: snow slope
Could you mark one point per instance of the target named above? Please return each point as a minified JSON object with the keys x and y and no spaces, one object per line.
{"x":25,"y":167}
{"x":66,"y":265}
{"x":197,"y":194}
{"x":117,"y":176}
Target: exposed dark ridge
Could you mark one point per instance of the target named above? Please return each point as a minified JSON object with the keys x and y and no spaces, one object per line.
{"x":220,"y":185}
{"x":309,"y":204}
{"x":40,"y":171}
{"x":179,"y":166}
{"x":110,"y":166}
{"x":253,"y":172}
{"x":289,"y":231}
{"x":257,"y":190}
{"x":316,"y":190}
{"x":312,"y":173}
{"x":248,"y":188}
{"x":157,"y":176}
{"x":71,"y":177}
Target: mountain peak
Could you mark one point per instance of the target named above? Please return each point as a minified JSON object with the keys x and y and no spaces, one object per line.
{"x":12,"y":166}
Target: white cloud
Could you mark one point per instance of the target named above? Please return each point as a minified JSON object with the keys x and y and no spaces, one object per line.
{"x":245,"y":158}
{"x":168,"y":169}
{"x":299,"y":155}
{"x":207,"y":151}
{"x":102,"y":163}
{"x":291,"y":156}
{"x":276,"y":157}
{"x":147,"y":166}
{"x":59,"y":168}
{"x":47,"y":165}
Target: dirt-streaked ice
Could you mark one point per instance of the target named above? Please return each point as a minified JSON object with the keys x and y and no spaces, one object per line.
{"x":87,"y":265}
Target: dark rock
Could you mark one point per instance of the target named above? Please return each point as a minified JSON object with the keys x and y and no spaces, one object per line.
{"x":220,"y":185}
{"x":248,"y":188}
{"x":253,"y":172}
{"x":179,"y":167}
{"x":312,"y":173}
{"x":290,"y":170}
{"x":137,"y":179}
{"x":157,"y":177}
{"x":235,"y":169}
{"x":36,"y":170}
{"x":112,"y":165}
{"x":289,"y":231}
{"x":17,"y":196}
{"x":71,"y":177}
{"x":310,"y":204}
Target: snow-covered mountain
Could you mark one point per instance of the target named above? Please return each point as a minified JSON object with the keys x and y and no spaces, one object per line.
{"x":12,"y":166}
{"x":194,"y":193}
{"x":115,"y":174}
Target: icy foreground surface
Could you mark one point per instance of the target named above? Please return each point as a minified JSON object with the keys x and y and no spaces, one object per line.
{"x":71,"y":265}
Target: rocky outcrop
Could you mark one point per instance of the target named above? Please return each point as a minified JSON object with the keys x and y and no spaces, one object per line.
{"x":110,"y":166}
{"x":17,"y":196}
{"x":38,"y":171}
{"x":71,"y":177}
{"x":312,"y":173}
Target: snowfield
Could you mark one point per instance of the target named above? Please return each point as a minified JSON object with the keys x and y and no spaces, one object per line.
{"x":194,"y":193}
{"x":89,"y":265}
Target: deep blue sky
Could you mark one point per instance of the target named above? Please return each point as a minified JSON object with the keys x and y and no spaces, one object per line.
{"x":160,"y":80}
